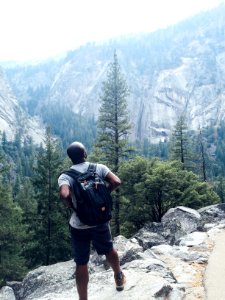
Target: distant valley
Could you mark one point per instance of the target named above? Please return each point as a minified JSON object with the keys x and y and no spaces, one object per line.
{"x":172,"y":72}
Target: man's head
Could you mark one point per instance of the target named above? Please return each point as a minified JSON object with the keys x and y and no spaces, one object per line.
{"x":77,"y":152}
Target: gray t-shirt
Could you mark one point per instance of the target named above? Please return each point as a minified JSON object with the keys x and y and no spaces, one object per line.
{"x":101,"y":170}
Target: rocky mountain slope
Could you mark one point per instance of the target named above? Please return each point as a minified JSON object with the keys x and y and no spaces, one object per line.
{"x":13,"y":119}
{"x":179,"y":70}
{"x":164,"y":260}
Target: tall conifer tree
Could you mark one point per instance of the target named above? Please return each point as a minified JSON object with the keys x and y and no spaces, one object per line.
{"x":12,"y":233}
{"x":51,"y":230}
{"x":113,"y":125}
{"x":181,"y":145}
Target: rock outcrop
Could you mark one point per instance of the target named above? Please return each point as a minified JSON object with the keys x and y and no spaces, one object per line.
{"x":162,"y":261}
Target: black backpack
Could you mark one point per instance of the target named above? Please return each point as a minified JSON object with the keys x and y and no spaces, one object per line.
{"x":94,"y":202}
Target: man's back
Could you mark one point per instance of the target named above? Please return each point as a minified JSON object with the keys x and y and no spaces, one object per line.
{"x":65,"y":179}
{"x":92,"y":200}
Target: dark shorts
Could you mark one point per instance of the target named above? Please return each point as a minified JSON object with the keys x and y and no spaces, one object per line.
{"x":101,"y":239}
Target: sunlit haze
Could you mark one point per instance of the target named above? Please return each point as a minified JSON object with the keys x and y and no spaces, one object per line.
{"x":38,"y":29}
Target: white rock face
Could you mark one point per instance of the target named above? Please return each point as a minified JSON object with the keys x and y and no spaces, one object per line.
{"x":8,"y":108}
{"x":13,"y":118}
{"x":180,"y":91}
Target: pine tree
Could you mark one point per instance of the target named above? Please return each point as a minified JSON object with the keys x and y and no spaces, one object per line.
{"x":180,"y":143}
{"x":202,"y":151}
{"x":26,"y":200}
{"x":52,"y":241}
{"x":220,"y":146}
{"x":220,"y":188}
{"x":12,"y":233}
{"x":113,"y":125}
{"x":4,"y":141}
{"x":12,"y":238}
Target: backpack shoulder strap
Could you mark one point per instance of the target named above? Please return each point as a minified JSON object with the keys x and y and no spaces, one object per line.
{"x":72,"y":173}
{"x":92,"y":168}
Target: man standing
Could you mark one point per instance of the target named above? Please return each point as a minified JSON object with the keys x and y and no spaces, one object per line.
{"x":82,"y":235}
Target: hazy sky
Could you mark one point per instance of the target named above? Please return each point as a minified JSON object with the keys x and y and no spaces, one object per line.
{"x":36,"y":29}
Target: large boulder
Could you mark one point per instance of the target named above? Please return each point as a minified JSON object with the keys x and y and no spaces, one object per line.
{"x":148,"y":239}
{"x":180,"y":221}
{"x":16,"y":286}
{"x":7,"y":293}
{"x":212,"y":214}
{"x":48,"y":280}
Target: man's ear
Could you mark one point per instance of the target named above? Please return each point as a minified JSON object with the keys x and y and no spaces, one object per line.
{"x":85,"y":154}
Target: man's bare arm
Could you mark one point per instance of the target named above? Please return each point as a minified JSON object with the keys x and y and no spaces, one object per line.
{"x":65,"y":196}
{"x":113,"y":181}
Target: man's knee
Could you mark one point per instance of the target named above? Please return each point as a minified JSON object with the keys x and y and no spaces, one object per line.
{"x":112,"y":252}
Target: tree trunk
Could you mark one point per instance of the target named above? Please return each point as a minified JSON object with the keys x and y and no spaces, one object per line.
{"x":117,"y":213}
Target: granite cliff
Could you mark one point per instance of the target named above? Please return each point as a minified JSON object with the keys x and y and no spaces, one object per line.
{"x":13,"y":119}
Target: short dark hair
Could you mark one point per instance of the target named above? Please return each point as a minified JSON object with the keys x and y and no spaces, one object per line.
{"x":77,"y":152}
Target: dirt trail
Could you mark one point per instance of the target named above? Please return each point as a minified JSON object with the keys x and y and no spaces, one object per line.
{"x":215,"y":271}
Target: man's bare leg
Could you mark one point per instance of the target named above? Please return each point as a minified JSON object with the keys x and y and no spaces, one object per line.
{"x":82,"y":278}
{"x":113,"y":259}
